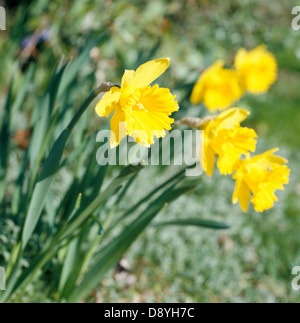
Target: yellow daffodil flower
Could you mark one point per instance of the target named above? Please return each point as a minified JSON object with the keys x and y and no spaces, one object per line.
{"x":140,"y":110}
{"x":224,"y":138}
{"x":257,"y":69}
{"x":260,"y":176}
{"x":217,"y":87}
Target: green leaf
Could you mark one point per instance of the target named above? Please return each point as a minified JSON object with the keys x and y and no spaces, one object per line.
{"x":43,"y":110}
{"x":49,"y":170}
{"x":69,"y":264}
{"x":82,"y":59}
{"x":152,"y":193}
{"x":17,"y":194}
{"x":23,"y":90}
{"x":108,"y":257}
{"x":42,"y":188}
{"x":83,"y":214}
{"x":194,"y":222}
{"x":4,"y":141}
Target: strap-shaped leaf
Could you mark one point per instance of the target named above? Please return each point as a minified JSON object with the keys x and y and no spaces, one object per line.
{"x":194,"y":222}
{"x":108,"y":257}
{"x":4,"y":141}
{"x":49,"y":170}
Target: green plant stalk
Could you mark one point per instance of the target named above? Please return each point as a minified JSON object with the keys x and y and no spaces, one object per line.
{"x":4,"y":141}
{"x":111,"y":254}
{"x":177,"y":176}
{"x":50,"y":250}
{"x":98,"y":239}
{"x":195,"y":222}
{"x":47,"y":254}
{"x":22,"y":243}
{"x":40,"y":156}
{"x":50,"y":168}
{"x":108,"y":256}
{"x":13,"y":258}
{"x":84,"y":263}
{"x":104,"y":87}
{"x":151,"y":194}
{"x":113,"y":188}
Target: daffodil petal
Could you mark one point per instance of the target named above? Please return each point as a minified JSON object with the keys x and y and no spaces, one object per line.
{"x":198,"y":90}
{"x":150,"y":71}
{"x":127,"y":79}
{"x":107,"y":103}
{"x":231,"y":117}
{"x":241,"y":194}
{"x":209,"y":160}
{"x":244,"y":196}
{"x":263,"y":175}
{"x":257,"y":69}
{"x":118,"y":127}
{"x":268,"y":159}
{"x":230,"y":144}
{"x":217,"y":87}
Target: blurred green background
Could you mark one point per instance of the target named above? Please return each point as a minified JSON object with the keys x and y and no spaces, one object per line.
{"x":252,"y":261}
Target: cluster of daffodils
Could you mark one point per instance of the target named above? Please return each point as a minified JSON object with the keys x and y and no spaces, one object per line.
{"x":257,"y":177}
{"x":218,"y":87}
{"x":143,"y":112}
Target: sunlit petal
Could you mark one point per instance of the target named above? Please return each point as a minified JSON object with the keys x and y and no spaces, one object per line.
{"x":150,"y":71}
{"x":108,"y":102}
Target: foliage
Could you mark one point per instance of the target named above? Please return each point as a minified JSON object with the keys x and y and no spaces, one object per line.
{"x":44,"y":227}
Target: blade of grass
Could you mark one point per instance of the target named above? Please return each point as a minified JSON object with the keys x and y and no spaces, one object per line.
{"x":62,"y":234}
{"x":43,"y":110}
{"x":194,"y":222}
{"x":4,"y":141}
{"x":151,"y":194}
{"x":113,"y":188}
{"x":83,"y":57}
{"x":85,"y":260}
{"x":112,"y":253}
{"x":16,"y":203}
{"x":23,"y":90}
{"x":50,"y":168}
